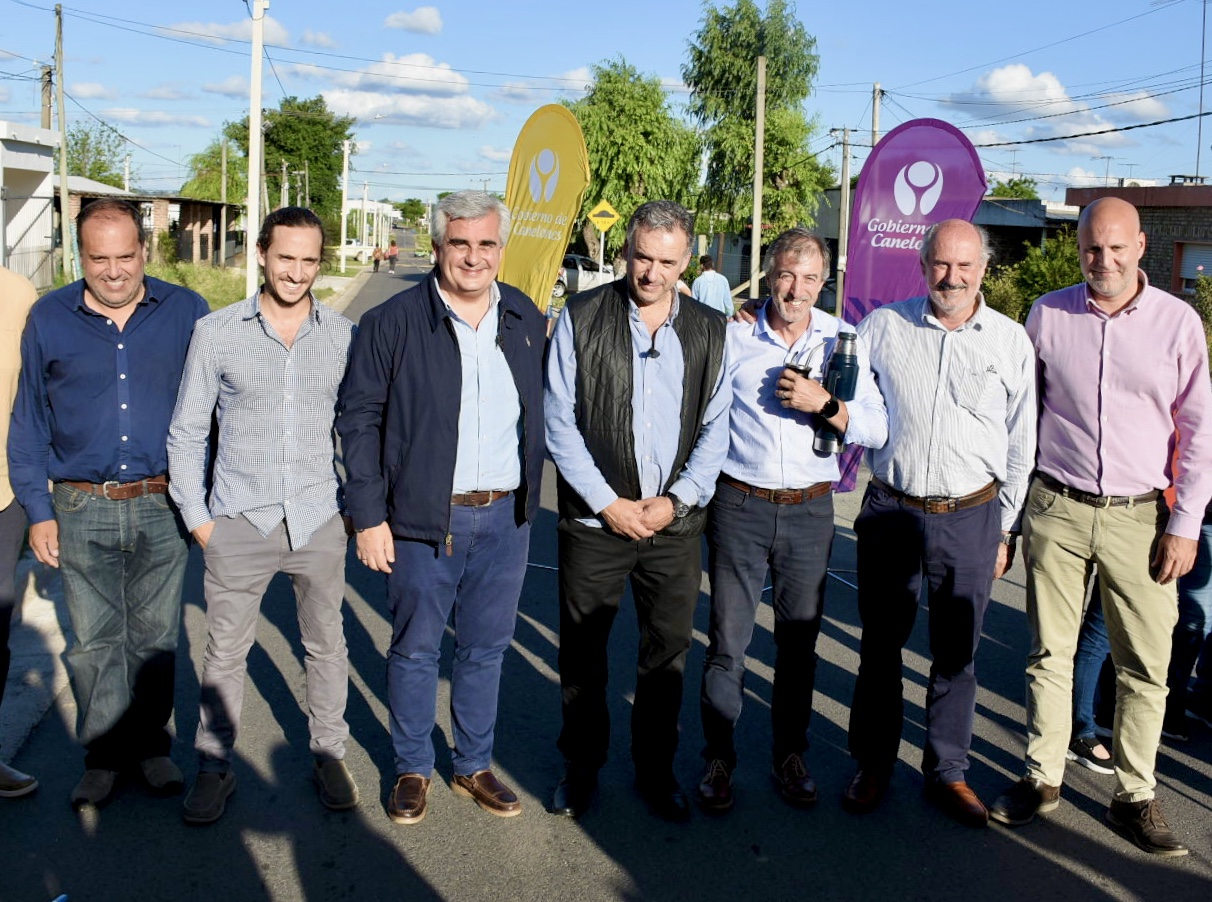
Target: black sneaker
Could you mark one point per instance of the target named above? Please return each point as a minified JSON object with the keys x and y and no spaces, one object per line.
{"x":1082,"y":751}
{"x":1200,"y":709}
{"x":1143,"y":824}
{"x":1176,"y":729}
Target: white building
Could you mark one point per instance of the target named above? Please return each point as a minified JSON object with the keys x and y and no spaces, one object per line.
{"x":27,"y":199}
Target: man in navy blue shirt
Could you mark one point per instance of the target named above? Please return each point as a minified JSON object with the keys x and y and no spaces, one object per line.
{"x":101,"y":359}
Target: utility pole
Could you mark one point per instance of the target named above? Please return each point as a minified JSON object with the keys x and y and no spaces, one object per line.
{"x":1107,"y":175}
{"x":256,"y":179}
{"x":64,"y":194}
{"x":362,"y":221}
{"x":47,"y":83}
{"x":843,"y":229}
{"x":126,"y":174}
{"x":759,"y":163}
{"x":284,"y":193}
{"x":1199,"y":122}
{"x":306,"y":184}
{"x":344,"y":200}
{"x":223,"y":207}
{"x":876,"y":95}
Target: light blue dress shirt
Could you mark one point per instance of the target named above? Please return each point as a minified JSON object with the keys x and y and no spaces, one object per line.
{"x":490,"y":411}
{"x":770,"y":446}
{"x":712,"y":289}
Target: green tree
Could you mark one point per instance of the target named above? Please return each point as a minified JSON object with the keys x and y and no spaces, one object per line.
{"x":95,"y":152}
{"x":1013,"y":289}
{"x":639,"y":150}
{"x":411,"y":209}
{"x":1202,"y":302}
{"x":206,"y":174}
{"x":1025,"y":188}
{"x":722,"y":76}
{"x":302,"y":133}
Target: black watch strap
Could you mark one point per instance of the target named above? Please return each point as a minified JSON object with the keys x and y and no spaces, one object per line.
{"x":831,"y":408}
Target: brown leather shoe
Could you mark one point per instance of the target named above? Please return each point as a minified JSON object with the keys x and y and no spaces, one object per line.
{"x":792,"y":780}
{"x":715,"y":789}
{"x":409,"y":797}
{"x":1023,"y":801}
{"x":488,"y":792}
{"x":866,"y":791}
{"x":958,"y":802}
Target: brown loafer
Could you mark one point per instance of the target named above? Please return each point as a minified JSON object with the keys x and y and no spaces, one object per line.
{"x":958,"y":802}
{"x":488,"y":792}
{"x":865,"y":791}
{"x":409,"y":799}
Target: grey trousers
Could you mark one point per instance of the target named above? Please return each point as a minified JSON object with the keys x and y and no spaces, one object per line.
{"x":239,"y":565}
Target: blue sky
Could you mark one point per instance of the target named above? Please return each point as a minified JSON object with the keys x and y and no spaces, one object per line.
{"x":440,"y":91}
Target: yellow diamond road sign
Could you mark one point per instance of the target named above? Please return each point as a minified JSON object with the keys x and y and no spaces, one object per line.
{"x":603,"y":216}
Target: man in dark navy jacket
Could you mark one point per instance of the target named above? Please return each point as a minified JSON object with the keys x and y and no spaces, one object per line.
{"x":441,"y":421}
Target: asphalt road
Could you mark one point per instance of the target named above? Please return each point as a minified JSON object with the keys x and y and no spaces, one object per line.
{"x":277,"y":842}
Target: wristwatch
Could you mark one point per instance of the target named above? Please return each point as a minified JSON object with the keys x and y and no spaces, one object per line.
{"x":831,"y":408}
{"x":1008,"y":538}
{"x":680,"y":507}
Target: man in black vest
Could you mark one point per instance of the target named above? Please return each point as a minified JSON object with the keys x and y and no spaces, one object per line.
{"x":636,"y":411}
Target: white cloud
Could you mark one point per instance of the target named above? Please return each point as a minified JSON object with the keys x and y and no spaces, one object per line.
{"x":519,"y":92}
{"x":409,"y":109}
{"x":1078,"y":177}
{"x":575,"y":82}
{"x":232,"y":86}
{"x":416,"y":73}
{"x":156,"y":118}
{"x":422,"y":20}
{"x":214,"y":33}
{"x":362,"y":146}
{"x":165,"y":92}
{"x":91,"y":90}
{"x":493,"y":154}
{"x":5,"y":94}
{"x":1138,"y":106}
{"x":317,"y":39}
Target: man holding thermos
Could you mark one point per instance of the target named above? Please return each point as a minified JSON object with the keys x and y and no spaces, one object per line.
{"x":774,"y":506}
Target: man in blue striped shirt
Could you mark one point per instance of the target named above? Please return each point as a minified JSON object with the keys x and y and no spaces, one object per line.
{"x":270,"y":368}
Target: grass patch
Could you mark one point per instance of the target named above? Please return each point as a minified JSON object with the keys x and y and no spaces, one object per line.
{"x":220,"y":287}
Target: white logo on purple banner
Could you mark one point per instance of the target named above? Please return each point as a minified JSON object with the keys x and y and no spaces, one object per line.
{"x":918,"y":187}
{"x":544,"y":175}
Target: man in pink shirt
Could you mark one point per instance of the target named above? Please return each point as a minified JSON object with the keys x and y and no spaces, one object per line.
{"x":1122,"y":366}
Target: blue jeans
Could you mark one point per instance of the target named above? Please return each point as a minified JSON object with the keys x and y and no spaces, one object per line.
{"x":481,"y":581}
{"x":123,"y":565}
{"x":745,"y":535}
{"x":1093,"y":647}
{"x":1193,"y":629}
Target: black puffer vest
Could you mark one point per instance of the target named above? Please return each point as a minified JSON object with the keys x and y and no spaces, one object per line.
{"x":602,"y":340}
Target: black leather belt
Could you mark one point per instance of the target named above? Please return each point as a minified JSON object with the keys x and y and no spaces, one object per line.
{"x":1073,"y":494}
{"x":940,"y":505}
{"x":779,"y":496}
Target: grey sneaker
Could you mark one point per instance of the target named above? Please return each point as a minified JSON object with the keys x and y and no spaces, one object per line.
{"x":207,"y":800}
{"x":13,"y":783}
{"x":1023,"y":801}
{"x":1143,"y":824}
{"x":337,"y":788}
{"x":164,"y":777}
{"x":94,"y":788}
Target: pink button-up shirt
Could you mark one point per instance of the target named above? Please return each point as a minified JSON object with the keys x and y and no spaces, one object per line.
{"x":1113,"y":390}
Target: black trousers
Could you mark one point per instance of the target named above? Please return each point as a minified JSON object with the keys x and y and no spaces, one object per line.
{"x":665,"y":574}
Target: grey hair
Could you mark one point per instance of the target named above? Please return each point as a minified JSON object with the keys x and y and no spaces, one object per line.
{"x":661,"y":216}
{"x":795,"y":243}
{"x":932,"y":235}
{"x":470,"y":205}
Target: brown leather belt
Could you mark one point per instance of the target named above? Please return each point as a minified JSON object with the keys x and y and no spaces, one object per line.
{"x":779,"y":496}
{"x":939,"y":505}
{"x":479,"y":499}
{"x":1095,"y":500}
{"x":122,"y":491}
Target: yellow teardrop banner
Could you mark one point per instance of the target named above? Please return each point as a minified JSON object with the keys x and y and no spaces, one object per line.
{"x":548,"y":175}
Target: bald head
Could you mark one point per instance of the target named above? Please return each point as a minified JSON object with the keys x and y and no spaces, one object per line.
{"x":1110,"y":245}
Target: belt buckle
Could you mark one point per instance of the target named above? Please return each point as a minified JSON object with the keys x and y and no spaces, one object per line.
{"x":939,"y":504}
{"x":786,"y":496}
{"x":105,"y":486}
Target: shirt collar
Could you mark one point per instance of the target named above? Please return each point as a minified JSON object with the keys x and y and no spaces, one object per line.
{"x":1142,"y":282}
{"x":253,"y":303}
{"x":79,"y":287}
{"x":926,"y":315}
{"x":762,"y":327}
{"x":634,"y":308}
{"x":494,"y":300}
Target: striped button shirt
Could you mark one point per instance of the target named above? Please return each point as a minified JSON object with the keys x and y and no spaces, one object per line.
{"x":961,"y":403}
{"x":275,"y":406}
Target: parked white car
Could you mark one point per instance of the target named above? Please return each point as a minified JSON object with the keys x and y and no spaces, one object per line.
{"x":579,"y":273}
